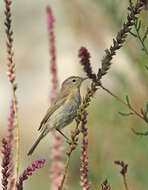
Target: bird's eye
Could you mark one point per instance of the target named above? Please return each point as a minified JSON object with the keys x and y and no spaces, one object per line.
{"x":73,"y":80}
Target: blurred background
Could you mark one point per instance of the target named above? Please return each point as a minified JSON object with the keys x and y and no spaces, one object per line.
{"x":78,"y":23}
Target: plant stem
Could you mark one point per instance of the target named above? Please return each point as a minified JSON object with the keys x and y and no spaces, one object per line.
{"x":140,"y":39}
{"x":72,"y":146}
{"x":65,"y":172}
{"x":125,"y":183}
{"x":135,"y":19}
{"x":123,"y":102}
{"x":16,"y":138}
{"x":74,"y":137}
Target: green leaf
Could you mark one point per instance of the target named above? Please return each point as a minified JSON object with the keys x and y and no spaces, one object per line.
{"x":145,"y":35}
{"x":142,"y":49}
{"x":144,"y":113}
{"x":126,"y":114}
{"x":127,"y":100}
{"x":146,"y":67}
{"x":133,"y":34}
{"x":138,"y":25}
{"x":136,"y":22}
{"x":99,"y":74}
{"x":147,"y":107}
{"x":145,"y":117}
{"x":140,"y":133}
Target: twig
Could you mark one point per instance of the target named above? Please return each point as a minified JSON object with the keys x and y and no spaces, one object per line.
{"x":125,"y":183}
{"x":123,"y":102}
{"x":72,"y":146}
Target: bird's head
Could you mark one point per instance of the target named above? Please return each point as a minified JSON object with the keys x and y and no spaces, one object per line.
{"x":73,"y":82}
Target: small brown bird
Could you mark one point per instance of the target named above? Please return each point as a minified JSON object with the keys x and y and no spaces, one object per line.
{"x":63,"y":110}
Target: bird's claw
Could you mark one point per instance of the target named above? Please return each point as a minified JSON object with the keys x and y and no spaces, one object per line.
{"x":69,"y":141}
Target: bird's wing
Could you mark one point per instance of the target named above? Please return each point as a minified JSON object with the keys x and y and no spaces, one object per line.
{"x":61,"y":99}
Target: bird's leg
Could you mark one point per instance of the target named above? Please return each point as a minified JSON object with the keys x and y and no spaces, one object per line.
{"x":68,"y":140}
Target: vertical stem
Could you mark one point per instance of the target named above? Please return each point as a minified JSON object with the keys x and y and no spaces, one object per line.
{"x":17,"y":139}
{"x":71,"y":148}
{"x":125,"y":182}
{"x":65,"y":172}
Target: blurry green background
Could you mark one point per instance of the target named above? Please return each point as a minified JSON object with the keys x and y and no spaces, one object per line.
{"x":90,"y":23}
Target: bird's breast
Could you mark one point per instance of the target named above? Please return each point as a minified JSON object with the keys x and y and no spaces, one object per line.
{"x":66,"y":113}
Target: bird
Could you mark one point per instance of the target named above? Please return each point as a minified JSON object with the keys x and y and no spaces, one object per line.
{"x":62,"y":112}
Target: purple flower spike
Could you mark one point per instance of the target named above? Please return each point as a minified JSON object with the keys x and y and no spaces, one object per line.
{"x":5,"y":162}
{"x":51,"y":36}
{"x":10,"y":138}
{"x":9,"y":33}
{"x":84,"y":56}
{"x":28,"y":172}
{"x":123,"y":165}
{"x":105,"y":185}
{"x":57,"y":151}
{"x":84,"y":159}
{"x":13,"y":108}
{"x":50,"y":17}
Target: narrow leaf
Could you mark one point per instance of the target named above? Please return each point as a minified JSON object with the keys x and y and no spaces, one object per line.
{"x":145,"y":34}
{"x":147,"y":107}
{"x":145,"y":117}
{"x":140,"y":133}
{"x":136,"y":22}
{"x":126,"y":114}
{"x":133,"y":34}
{"x":144,"y":114}
{"x":146,"y":67}
{"x":142,"y":111}
{"x":142,"y":49}
{"x":138,"y":25}
{"x":127,"y":100}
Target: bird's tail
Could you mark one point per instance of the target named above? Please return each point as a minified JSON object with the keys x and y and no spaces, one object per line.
{"x":35,"y":144}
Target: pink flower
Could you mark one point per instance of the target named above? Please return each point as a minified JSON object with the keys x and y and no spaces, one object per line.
{"x":28,"y":172}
